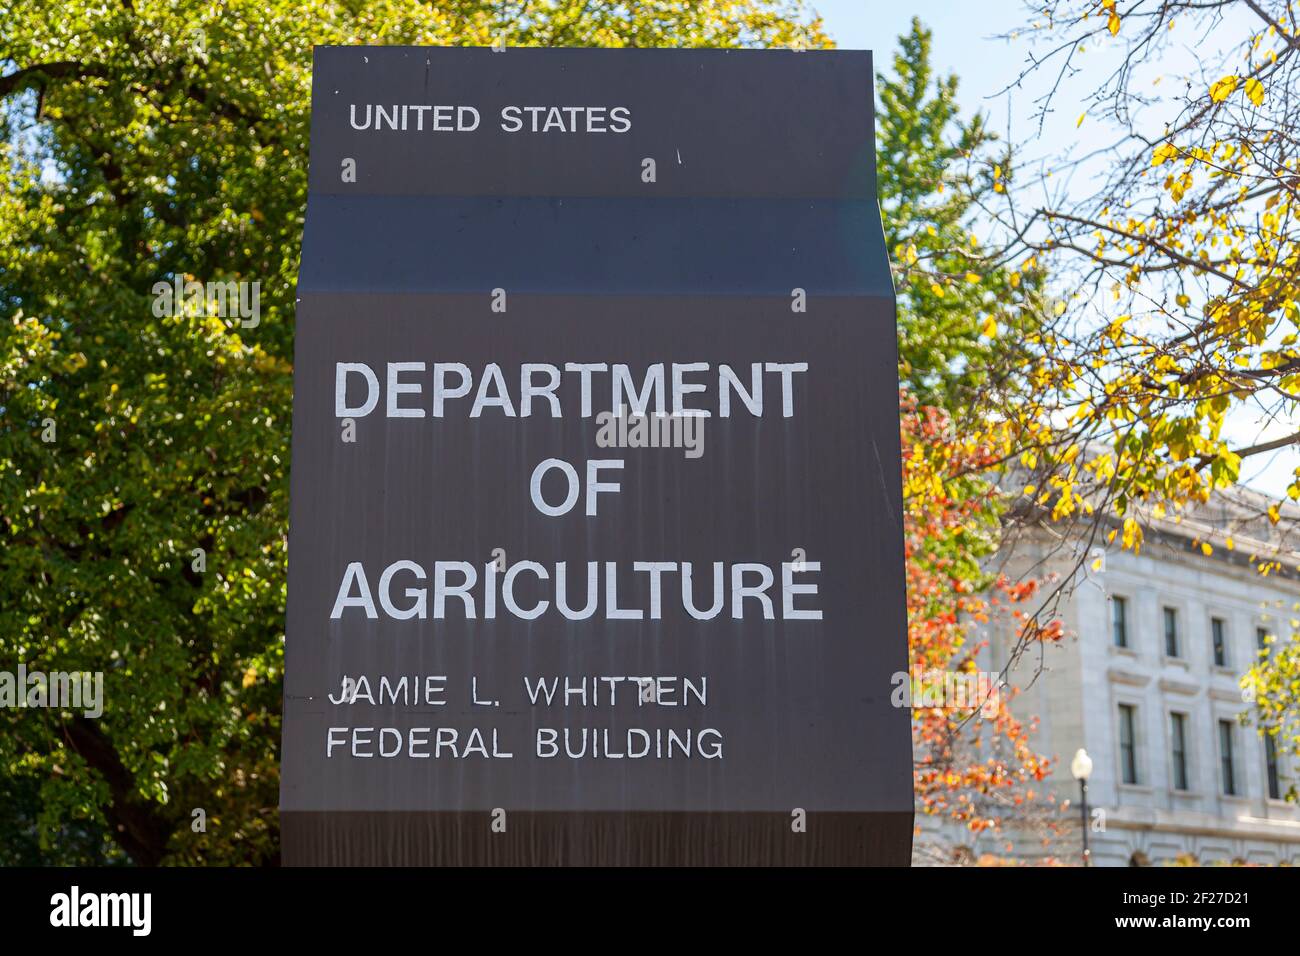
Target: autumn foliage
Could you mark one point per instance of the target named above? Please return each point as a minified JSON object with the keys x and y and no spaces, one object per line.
{"x":972,"y":764}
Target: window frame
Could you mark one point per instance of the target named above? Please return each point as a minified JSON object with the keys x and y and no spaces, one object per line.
{"x":1227,"y":758}
{"x":1169,"y":615}
{"x":1180,"y":767}
{"x":1130,"y":772}
{"x":1219,"y":641}
{"x":1119,"y":622}
{"x":1272,"y":770}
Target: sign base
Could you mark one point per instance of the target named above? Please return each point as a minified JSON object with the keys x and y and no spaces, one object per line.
{"x":595,"y":839}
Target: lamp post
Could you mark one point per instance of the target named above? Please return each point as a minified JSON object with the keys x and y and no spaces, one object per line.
{"x":1081,"y":767}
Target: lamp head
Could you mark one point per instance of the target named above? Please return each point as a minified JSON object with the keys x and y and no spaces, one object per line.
{"x":1081,"y":765}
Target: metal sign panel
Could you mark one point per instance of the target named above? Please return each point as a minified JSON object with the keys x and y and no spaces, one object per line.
{"x":596,"y":531}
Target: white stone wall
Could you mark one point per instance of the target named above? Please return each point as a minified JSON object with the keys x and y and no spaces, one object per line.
{"x":1087,"y":678}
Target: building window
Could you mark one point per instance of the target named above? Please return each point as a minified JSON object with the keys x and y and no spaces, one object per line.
{"x":1127,"y":744}
{"x":1119,"y":621}
{"x":1225,"y":758}
{"x":1270,"y":763}
{"x":1220,"y":642}
{"x":1178,"y":743}
{"x":1171,"y":632}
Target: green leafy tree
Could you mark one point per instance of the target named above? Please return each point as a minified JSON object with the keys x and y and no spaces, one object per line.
{"x":963,"y":310}
{"x":144,"y":456}
{"x":965,"y":314}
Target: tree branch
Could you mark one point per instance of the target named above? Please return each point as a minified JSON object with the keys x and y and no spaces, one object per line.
{"x":133,"y":821}
{"x":1267,"y":446}
{"x":34,"y":75}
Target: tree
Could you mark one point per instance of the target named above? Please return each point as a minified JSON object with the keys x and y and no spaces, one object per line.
{"x":974,"y":762}
{"x":1273,"y":684}
{"x":963,"y":315}
{"x":1187,"y":262}
{"x":144,"y":452}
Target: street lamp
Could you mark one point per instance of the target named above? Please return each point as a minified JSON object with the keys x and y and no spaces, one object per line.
{"x":1081,"y":767}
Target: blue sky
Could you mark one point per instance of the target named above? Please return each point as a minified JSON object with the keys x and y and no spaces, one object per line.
{"x":962,"y":35}
{"x":967,"y":42}
{"x":965,"y":39}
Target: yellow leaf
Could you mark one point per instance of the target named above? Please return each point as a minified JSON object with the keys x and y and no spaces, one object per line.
{"x":1221,"y":90}
{"x":250,"y":677}
{"x":1206,"y":549}
{"x":1113,"y":23}
{"x":1164,"y":153}
{"x":990,"y":329}
{"x":1132,"y":537}
{"x":1255,"y":90}
{"x":972,"y":277}
{"x":1082,"y":117}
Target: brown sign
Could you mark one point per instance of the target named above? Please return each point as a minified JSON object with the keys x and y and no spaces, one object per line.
{"x":596,"y":532}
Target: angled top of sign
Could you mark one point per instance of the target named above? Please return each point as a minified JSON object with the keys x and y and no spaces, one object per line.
{"x":584,"y":171}
{"x":723,"y":125}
